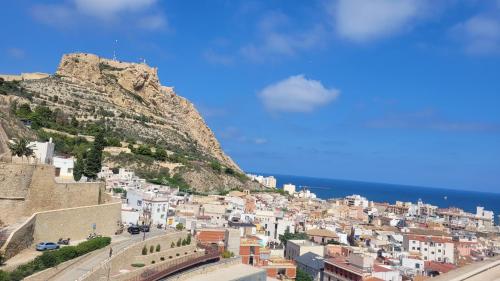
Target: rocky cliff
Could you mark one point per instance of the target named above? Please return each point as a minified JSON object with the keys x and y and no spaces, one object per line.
{"x":131,"y":100}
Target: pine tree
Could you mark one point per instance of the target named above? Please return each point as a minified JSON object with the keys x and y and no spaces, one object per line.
{"x":93,"y":163}
{"x":79,"y":168}
{"x":99,"y":141}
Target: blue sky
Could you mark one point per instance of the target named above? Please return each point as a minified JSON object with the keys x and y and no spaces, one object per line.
{"x":375,"y":90}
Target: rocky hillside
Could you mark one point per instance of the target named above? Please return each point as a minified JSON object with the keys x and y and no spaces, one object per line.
{"x":128,"y":99}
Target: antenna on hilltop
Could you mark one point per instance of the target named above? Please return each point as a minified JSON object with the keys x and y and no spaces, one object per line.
{"x":143,"y":60}
{"x":115,"y":45}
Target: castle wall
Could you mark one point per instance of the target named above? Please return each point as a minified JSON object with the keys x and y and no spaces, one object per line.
{"x":26,"y":189}
{"x":45,"y":194}
{"x":76,"y":223}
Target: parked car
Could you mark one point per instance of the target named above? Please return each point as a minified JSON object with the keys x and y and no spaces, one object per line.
{"x":43,"y":246}
{"x":133,"y":230}
{"x":144,"y":228}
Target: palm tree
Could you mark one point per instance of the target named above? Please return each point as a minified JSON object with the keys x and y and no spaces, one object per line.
{"x":21,"y":148}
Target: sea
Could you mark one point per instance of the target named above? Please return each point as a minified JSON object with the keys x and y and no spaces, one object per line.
{"x":390,"y":193}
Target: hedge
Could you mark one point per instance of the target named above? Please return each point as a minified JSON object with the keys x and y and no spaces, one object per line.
{"x":52,"y":258}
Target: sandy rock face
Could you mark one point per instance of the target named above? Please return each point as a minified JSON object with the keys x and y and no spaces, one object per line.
{"x":132,"y":89}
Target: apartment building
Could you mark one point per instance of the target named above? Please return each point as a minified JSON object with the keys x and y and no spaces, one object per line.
{"x":430,"y":248}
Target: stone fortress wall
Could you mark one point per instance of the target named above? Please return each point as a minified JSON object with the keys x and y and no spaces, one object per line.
{"x":24,"y":76}
{"x":26,"y":189}
{"x":36,"y":208}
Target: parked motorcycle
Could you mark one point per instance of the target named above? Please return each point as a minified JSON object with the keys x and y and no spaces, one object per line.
{"x":93,"y":236}
{"x":63,"y":241}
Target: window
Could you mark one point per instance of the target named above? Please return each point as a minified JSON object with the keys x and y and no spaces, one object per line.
{"x":413,"y":248}
{"x":139,"y":202}
{"x":439,"y":251}
{"x":417,"y":265}
{"x":432,"y":252}
{"x":439,"y":259}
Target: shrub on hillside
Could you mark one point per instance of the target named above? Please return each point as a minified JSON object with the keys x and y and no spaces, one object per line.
{"x":53,"y":258}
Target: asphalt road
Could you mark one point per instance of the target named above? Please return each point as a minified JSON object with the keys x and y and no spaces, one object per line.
{"x":87,"y":263}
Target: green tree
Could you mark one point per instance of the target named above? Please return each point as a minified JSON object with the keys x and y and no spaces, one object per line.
{"x":292,"y":236}
{"x":188,"y":239}
{"x":302,"y":276}
{"x":216,"y":166}
{"x":93,"y":161}
{"x":21,"y":148}
{"x":144,"y":250}
{"x":160,"y":154}
{"x":79,"y":168}
{"x":99,"y":141}
{"x":144,"y":150}
{"x":179,"y":226}
{"x":179,"y":242}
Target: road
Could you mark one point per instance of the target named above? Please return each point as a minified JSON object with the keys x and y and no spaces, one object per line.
{"x":87,"y":263}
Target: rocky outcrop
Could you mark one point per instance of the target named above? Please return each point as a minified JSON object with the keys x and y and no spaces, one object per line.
{"x":130,"y":97}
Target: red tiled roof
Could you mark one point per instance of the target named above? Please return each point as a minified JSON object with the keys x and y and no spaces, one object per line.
{"x":378,"y":268}
{"x":439,"y":267}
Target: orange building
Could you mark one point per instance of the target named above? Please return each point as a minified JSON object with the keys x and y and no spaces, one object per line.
{"x":253,"y":253}
{"x":209,"y":237}
{"x":250,"y":250}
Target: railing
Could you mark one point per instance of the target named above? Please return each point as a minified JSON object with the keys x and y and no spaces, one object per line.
{"x":164,"y":270}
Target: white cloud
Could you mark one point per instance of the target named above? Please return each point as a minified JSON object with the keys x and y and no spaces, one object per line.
{"x":217,"y":58}
{"x":364,"y":20}
{"x":152,"y":22}
{"x":297,"y":94}
{"x":110,"y":8}
{"x":276,"y":36}
{"x":479,"y":34}
{"x":260,"y":141}
{"x":16,"y":53}
{"x":71,"y":13}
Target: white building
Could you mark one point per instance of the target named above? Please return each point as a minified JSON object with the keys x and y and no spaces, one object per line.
{"x":43,"y":151}
{"x":153,"y":205}
{"x":356,"y":201}
{"x":430,"y":248}
{"x":290,"y":188}
{"x":269,"y":182}
{"x":64,"y":167}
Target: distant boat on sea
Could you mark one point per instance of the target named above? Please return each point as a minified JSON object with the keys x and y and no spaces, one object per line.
{"x":446,"y":198}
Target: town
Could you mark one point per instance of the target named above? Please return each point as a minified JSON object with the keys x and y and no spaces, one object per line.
{"x":159,"y":232}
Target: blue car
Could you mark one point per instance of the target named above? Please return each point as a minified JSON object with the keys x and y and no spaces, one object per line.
{"x":46,"y":246}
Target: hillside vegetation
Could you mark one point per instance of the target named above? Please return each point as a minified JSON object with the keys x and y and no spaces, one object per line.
{"x":158,"y":133}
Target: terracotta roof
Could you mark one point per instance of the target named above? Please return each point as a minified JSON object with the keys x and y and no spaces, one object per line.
{"x":439,"y":267}
{"x":378,"y":268}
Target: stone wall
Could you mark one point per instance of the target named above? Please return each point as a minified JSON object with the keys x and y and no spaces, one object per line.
{"x":26,"y":189}
{"x":76,"y":223}
{"x":20,"y":239}
{"x":45,"y":194}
